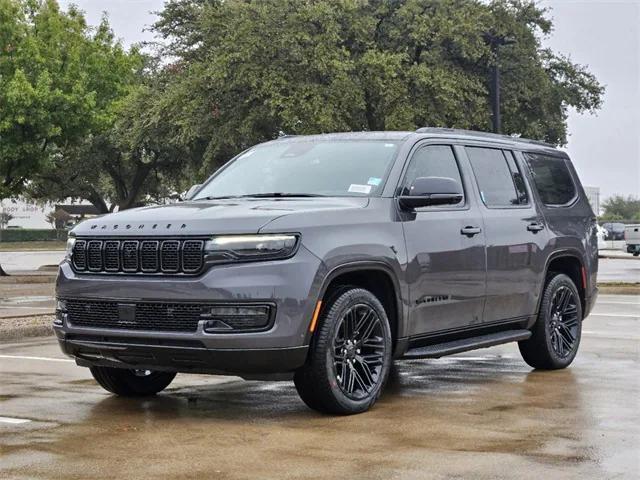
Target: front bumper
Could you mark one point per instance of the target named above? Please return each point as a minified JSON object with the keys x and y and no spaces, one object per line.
{"x":185,"y":356}
{"x":291,"y":285}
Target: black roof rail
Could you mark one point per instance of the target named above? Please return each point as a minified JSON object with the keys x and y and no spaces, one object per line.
{"x":474,"y":133}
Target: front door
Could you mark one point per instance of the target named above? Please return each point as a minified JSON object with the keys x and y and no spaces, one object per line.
{"x":515,"y":233}
{"x":445,"y":248}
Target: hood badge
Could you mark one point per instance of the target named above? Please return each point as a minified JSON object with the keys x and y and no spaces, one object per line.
{"x":140,"y":227}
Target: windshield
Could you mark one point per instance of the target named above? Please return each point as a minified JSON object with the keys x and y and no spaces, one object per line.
{"x":305,"y":168}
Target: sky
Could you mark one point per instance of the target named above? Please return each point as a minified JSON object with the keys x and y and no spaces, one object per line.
{"x":604,"y":35}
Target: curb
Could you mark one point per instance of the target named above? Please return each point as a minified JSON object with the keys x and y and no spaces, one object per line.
{"x":29,"y":331}
{"x":617,"y":257}
{"x":27,"y":279}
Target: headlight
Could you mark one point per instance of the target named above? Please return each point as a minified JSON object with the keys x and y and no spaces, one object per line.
{"x":226,"y":248}
{"x":71,"y":241}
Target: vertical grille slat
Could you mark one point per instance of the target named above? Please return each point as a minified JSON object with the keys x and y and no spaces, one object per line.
{"x":192,"y":251}
{"x":80,"y":255}
{"x":170,"y":256}
{"x":94,"y":255}
{"x":139,"y":256}
{"x":112,"y":255}
{"x":149,"y":259}
{"x":130,"y":256}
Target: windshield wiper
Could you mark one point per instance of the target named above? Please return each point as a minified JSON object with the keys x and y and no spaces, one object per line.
{"x":263,"y":195}
{"x":281,"y":195}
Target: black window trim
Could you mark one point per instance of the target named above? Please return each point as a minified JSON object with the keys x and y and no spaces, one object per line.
{"x":432,"y":142}
{"x":502,"y":149}
{"x":563,"y":158}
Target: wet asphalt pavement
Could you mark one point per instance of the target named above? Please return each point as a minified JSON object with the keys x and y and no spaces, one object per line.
{"x":482,"y":414}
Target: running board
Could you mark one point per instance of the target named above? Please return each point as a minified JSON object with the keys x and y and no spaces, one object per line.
{"x":473,"y":343}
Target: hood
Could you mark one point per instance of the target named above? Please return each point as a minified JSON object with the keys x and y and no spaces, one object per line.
{"x":209,"y":217}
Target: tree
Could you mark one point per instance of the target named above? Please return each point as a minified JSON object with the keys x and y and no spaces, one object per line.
{"x":60,"y":81}
{"x":5,"y":218}
{"x":244,"y":72}
{"x":619,"y":208}
{"x":133,"y":161}
{"x":58,"y":218}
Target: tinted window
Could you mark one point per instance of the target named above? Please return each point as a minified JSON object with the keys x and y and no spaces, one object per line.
{"x":432,"y":161}
{"x":315,"y":167}
{"x":495,"y":178}
{"x":552,"y":179}
{"x":518,"y":179}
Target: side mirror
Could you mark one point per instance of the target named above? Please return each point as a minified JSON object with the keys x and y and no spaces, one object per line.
{"x":428,"y":191}
{"x":192,"y":191}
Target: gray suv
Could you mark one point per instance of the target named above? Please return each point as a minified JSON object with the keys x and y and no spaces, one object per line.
{"x":325,"y":258}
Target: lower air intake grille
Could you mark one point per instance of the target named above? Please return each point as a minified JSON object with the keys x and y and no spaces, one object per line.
{"x":165,"y":317}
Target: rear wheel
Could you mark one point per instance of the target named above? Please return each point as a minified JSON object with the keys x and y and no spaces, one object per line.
{"x":350,"y":355}
{"x":557,"y":332}
{"x":131,"y":383}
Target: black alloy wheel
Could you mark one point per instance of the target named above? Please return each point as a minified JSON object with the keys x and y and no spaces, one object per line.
{"x":556,"y":334}
{"x":349,"y":356}
{"x":358,"y":351}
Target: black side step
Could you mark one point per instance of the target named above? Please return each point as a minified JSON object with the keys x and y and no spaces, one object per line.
{"x":473,"y":343}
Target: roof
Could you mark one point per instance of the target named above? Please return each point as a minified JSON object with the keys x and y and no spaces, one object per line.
{"x":429,"y":131}
{"x":78,"y":209}
{"x":387,"y":135}
{"x":482,"y":136}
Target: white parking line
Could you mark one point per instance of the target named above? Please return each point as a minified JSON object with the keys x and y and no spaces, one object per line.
{"x":599,"y":302}
{"x":46,"y":359}
{"x":614,"y":315}
{"x":13,"y":420}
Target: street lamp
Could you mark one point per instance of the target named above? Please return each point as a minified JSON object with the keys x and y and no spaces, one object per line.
{"x":495,"y":42}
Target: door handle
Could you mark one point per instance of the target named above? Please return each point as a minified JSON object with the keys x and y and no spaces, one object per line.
{"x":535,"y":227}
{"x":470,"y":231}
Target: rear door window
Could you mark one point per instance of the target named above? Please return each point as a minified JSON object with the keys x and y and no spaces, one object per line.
{"x":552,"y":179}
{"x":499,"y":179}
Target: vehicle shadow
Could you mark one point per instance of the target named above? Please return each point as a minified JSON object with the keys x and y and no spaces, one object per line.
{"x":483,"y":381}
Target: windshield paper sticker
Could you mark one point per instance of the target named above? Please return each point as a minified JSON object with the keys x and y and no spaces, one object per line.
{"x":355,"y":188}
{"x":375,"y":181}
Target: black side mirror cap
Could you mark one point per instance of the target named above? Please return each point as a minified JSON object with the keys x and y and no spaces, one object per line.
{"x":429,"y":191}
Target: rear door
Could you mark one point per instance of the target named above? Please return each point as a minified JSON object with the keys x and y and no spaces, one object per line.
{"x":515,"y":234}
{"x":446,"y":269}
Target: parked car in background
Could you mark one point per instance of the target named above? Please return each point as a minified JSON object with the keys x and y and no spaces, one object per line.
{"x":602,"y":235}
{"x":615,"y":231}
{"x":632,"y":239}
{"x":324,"y":258}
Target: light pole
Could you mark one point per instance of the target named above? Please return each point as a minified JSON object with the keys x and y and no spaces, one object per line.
{"x":495,"y":42}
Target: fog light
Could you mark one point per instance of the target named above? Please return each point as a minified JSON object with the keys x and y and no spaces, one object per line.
{"x":229,"y":318}
{"x":61,"y":313}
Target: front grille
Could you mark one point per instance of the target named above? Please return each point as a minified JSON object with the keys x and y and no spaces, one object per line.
{"x":168,"y":256}
{"x":156,"y":316}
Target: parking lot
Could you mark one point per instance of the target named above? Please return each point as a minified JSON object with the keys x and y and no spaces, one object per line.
{"x":482,"y":414}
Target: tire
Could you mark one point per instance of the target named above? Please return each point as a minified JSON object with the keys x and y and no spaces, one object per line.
{"x":131,"y":383}
{"x":342,"y":376}
{"x":558,"y":329}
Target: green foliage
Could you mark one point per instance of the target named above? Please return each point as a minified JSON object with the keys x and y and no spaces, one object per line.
{"x":59,"y":82}
{"x":32,"y":235}
{"x":82,"y":117}
{"x":5,"y":218}
{"x":619,"y":208}
{"x":247,"y":71}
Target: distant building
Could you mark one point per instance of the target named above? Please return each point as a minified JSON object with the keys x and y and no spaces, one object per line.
{"x":27,"y":214}
{"x":593,"y":195}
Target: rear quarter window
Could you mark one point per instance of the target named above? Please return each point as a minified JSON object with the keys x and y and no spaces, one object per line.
{"x":552,"y":179}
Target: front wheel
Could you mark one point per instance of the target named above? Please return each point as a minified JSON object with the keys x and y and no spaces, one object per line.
{"x":558,"y":329}
{"x":350,"y":355}
{"x":132,"y":383}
